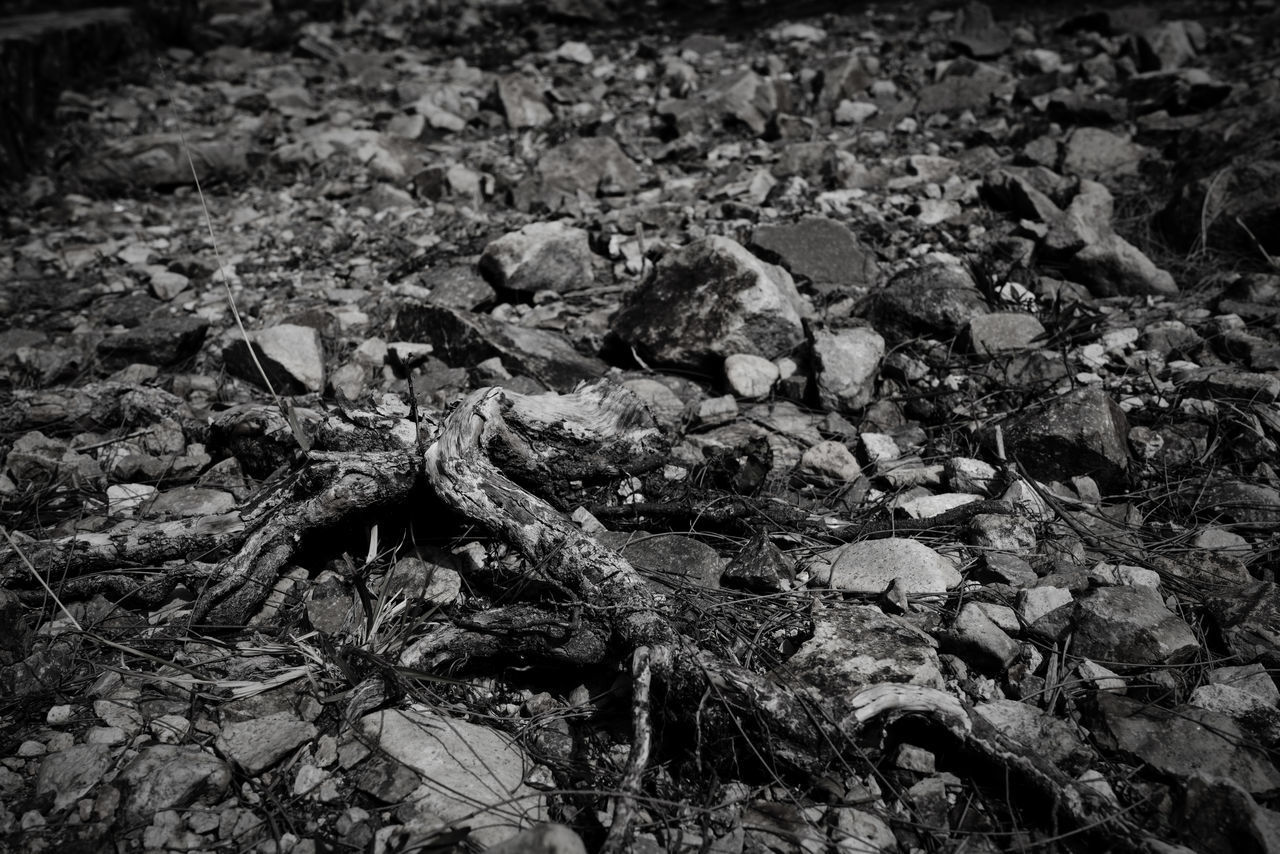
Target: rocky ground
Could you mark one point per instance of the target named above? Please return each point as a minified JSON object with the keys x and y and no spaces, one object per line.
{"x":938,"y":510}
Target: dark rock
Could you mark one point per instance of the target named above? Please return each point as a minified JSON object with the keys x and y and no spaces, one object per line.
{"x":164,"y":340}
{"x":710,"y":300}
{"x":758,"y":567}
{"x":1211,"y":208}
{"x":461,"y":339}
{"x":668,"y":561}
{"x":1080,"y":433}
{"x":1229,"y":384}
{"x":1249,"y":505}
{"x":821,"y":250}
{"x":937,"y":301}
{"x":1248,"y":619}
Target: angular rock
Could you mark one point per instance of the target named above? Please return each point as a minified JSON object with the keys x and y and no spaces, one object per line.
{"x":462,"y":338}
{"x":259,"y":743}
{"x":1249,"y":505}
{"x":758,"y":567}
{"x":820,"y":250}
{"x":846,"y":363}
{"x":976,"y":637}
{"x":1114,"y":266}
{"x":869,"y":566}
{"x":161,"y":341}
{"x":68,"y":775}
{"x":710,"y":300}
{"x":457,"y":286}
{"x":846,"y":76}
{"x":1185,"y":742}
{"x":471,"y":774}
{"x":1002,"y":332}
{"x":1248,"y":619}
{"x":1082,"y":432}
{"x":540,"y":256}
{"x":170,"y":776}
{"x":292,"y":357}
{"x":1131,"y":625}
{"x":938,"y":300}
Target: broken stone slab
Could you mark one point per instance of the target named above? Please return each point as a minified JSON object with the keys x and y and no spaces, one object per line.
{"x":461,"y":338}
{"x":1131,"y":626}
{"x":171,"y":776}
{"x":869,"y":566}
{"x":258,"y":743}
{"x":67,"y":775}
{"x":1082,"y":432}
{"x":471,"y":775}
{"x":1183,"y":742}
{"x":975,"y":637}
{"x":819,"y":250}
{"x":1003,"y":332}
{"x":846,"y":363}
{"x":551,"y":256}
{"x":162,"y":341}
{"x":936,"y":300}
{"x":709,"y":300}
{"x":292,"y":357}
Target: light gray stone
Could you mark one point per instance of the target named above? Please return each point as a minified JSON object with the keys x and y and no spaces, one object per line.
{"x":832,"y":460}
{"x":291,"y":355}
{"x":540,"y":256}
{"x":1003,"y":332}
{"x":750,"y":376}
{"x":869,"y":565}
{"x":259,"y":743}
{"x":846,"y":363}
{"x":470,"y":773}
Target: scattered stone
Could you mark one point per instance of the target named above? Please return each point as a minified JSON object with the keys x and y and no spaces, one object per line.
{"x":975,"y":636}
{"x":759,"y":567}
{"x":162,"y":341}
{"x":1096,"y":153}
{"x":523,"y":102}
{"x":590,"y":166}
{"x":868,"y":567}
{"x":1043,"y":736}
{"x":668,"y":561}
{"x":541,"y":256}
